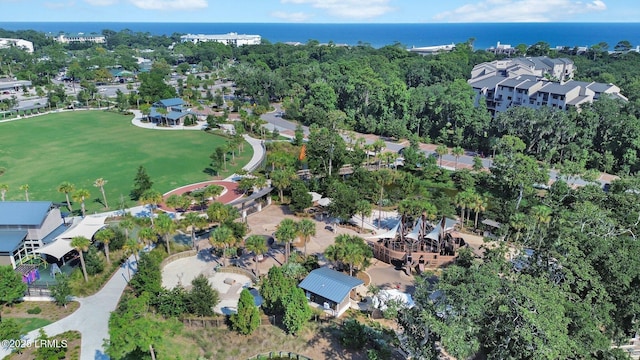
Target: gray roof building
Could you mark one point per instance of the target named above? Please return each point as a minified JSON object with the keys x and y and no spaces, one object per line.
{"x":329,"y":287}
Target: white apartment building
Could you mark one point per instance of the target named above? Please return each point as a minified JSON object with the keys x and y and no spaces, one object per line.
{"x":227,"y":39}
{"x":24,"y":44}
{"x":534,"y":82}
{"x":80,"y":37}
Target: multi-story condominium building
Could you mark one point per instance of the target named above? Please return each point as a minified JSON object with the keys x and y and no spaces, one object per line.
{"x":534,"y":82}
{"x":80,"y":37}
{"x":24,"y":44}
{"x":227,"y":39}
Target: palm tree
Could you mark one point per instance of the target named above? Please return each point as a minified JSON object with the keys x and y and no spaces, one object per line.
{"x":81,"y":195}
{"x":132,"y":246}
{"x":219,"y":212}
{"x":363,"y":208}
{"x":3,"y":190}
{"x":461,"y":201}
{"x":480,"y":205}
{"x":378,"y":145}
{"x":211,"y":191}
{"x":67,"y":188}
{"x":542,"y":215}
{"x":457,"y":152}
{"x":100,"y":183}
{"x":256,"y":244}
{"x":126,"y":224}
{"x":25,"y":188}
{"x":151,"y":198}
{"x":81,"y":244}
{"x":147,"y":235}
{"x":441,"y":150}
{"x":285,"y":233}
{"x":518,"y":222}
{"x":384,"y":178}
{"x":282,"y":179}
{"x":193,"y":220}
{"x":223,"y":237}
{"x":105,"y":236}
{"x":305,"y":229}
{"x":164,"y":227}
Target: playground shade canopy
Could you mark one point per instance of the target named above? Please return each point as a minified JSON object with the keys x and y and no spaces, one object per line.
{"x":87,"y":227}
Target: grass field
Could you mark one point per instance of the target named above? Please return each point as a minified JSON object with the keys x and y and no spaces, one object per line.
{"x":82,"y":146}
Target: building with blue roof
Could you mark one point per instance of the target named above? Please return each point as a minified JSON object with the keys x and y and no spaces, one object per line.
{"x":174,"y":111}
{"x":330,"y":289}
{"x":24,"y":227}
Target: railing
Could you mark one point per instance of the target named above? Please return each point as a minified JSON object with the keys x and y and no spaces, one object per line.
{"x":279,"y":355}
{"x":174,"y":257}
{"x":240,"y":271}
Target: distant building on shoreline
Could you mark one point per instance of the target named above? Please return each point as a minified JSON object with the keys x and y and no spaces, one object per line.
{"x":534,"y":82}
{"x":79,"y":38}
{"x":20,"y":43}
{"x":430,"y":50}
{"x":227,"y":39}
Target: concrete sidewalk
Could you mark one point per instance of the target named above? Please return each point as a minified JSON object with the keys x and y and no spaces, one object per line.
{"x":92,"y":318}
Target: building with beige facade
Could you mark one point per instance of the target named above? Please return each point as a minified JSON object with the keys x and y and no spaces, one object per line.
{"x":534,"y":82}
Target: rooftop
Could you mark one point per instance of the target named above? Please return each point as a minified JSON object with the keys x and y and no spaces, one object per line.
{"x":10,"y":240}
{"x":329,"y":284}
{"x":27,"y":213}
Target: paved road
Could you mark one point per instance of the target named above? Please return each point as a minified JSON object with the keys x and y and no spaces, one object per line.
{"x":92,"y":318}
{"x":287,"y":128}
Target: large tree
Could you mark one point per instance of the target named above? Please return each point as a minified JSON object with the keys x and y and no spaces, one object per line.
{"x":105,"y":236}
{"x":11,"y":286}
{"x":165,"y":226}
{"x":100,"y":183}
{"x":81,"y":244}
{"x":141,"y":183}
{"x":82,"y":195}
{"x":257,"y":244}
{"x":286,"y":233}
{"x":350,"y":250}
{"x":66,"y":188}
{"x":247,"y":319}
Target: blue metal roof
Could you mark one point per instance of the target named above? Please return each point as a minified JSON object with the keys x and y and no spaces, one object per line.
{"x":329,"y":284}
{"x":171,"y":102}
{"x":10,"y":240}
{"x":28,"y":213}
{"x":52,"y":235}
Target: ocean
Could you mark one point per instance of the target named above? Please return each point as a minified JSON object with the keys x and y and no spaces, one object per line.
{"x":376,"y":35}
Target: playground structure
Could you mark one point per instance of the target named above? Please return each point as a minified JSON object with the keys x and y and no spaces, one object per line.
{"x":421,"y":246}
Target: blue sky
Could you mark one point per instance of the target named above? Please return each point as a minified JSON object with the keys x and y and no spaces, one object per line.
{"x":322,"y":11}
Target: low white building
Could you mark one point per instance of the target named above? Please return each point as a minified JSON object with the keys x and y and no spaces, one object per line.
{"x":227,"y":39}
{"x":21,"y":43}
{"x":80,"y":37}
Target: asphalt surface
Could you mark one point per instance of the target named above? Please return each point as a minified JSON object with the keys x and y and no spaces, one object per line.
{"x":274,"y":120}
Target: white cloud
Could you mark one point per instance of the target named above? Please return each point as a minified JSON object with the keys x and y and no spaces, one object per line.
{"x":291,"y":17}
{"x":170,"y":4}
{"x":520,"y":10}
{"x":350,"y":9}
{"x":101,"y":2}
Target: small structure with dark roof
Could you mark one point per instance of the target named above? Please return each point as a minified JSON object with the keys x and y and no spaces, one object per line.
{"x":330,"y":289}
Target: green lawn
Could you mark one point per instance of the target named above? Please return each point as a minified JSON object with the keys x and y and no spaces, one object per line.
{"x":82,"y":146}
{"x":28,"y":324}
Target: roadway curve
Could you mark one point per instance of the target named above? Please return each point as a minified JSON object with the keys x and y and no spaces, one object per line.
{"x":287,"y":128}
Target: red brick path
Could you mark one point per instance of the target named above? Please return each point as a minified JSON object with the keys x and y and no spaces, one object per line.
{"x":231,"y":193}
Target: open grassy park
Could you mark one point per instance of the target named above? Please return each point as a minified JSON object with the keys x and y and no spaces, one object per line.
{"x":82,"y":146}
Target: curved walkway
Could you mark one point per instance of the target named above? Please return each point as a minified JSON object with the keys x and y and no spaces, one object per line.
{"x":92,"y":317}
{"x":257,"y":144}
